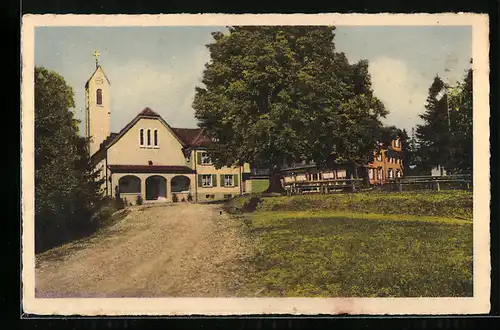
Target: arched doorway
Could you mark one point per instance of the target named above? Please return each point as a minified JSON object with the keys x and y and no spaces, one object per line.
{"x":129,"y":184}
{"x":180,"y":183}
{"x":156,"y":187}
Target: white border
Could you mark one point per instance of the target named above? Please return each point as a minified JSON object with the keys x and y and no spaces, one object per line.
{"x":479,"y":304}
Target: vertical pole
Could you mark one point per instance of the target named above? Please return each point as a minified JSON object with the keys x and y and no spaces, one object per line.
{"x":449,"y":125}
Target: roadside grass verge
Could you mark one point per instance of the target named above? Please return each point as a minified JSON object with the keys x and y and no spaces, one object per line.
{"x":329,"y":254}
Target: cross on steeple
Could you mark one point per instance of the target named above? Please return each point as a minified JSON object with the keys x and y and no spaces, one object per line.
{"x":96,"y":55}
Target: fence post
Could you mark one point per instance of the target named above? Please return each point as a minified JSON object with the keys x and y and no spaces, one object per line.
{"x":400,"y":186}
{"x":437,"y":186}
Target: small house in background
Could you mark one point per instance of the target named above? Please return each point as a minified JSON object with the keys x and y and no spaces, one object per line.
{"x":387,"y":164}
{"x":438,"y":171}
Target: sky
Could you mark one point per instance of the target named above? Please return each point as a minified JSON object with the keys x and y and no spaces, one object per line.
{"x":160,"y":67}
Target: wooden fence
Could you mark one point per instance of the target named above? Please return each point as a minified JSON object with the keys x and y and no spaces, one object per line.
{"x":450,"y":182}
{"x":322,"y":186}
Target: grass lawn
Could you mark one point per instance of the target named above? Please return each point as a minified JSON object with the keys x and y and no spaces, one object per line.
{"x":259,"y":186}
{"x":343,"y":246}
{"x":340,"y":255}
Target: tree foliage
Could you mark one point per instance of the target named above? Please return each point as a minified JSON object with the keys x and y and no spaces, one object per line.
{"x":277,"y":94}
{"x":445,"y":137}
{"x":461,"y":126}
{"x":66,"y":192}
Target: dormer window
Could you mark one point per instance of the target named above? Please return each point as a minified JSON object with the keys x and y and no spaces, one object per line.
{"x":397,"y":143}
{"x":99,"y":96}
{"x":149,"y":137}
{"x":156,"y":137}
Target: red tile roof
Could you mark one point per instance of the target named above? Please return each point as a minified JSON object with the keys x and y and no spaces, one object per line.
{"x":192,"y":137}
{"x":151,"y":168}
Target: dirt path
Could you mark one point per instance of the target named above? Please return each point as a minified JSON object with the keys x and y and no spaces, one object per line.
{"x":157,"y":251}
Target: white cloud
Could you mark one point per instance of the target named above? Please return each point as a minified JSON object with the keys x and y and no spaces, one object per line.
{"x":167,"y":88}
{"x":402,"y":89}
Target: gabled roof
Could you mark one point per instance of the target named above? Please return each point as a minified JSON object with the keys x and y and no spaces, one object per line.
{"x":148,"y":112}
{"x":145,"y":113}
{"x":93,"y":74}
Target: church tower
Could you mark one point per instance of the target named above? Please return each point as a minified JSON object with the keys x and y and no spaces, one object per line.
{"x":97,"y":107}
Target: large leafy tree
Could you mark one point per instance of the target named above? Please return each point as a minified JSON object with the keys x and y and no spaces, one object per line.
{"x":66,"y":192}
{"x":278,"y":94}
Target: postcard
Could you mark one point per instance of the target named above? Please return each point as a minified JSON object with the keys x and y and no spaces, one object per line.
{"x":213,"y":164}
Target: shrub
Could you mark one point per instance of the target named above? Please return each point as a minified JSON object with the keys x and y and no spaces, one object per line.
{"x":119,"y":203}
{"x":240,"y":204}
{"x":175,"y":199}
{"x":103,"y":214}
{"x":139,"y":200}
{"x":190,"y":197}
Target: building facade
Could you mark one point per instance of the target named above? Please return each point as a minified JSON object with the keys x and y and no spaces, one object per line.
{"x":150,"y":160}
{"x":386,"y":166}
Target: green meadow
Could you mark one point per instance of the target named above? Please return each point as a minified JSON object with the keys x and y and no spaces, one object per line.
{"x":259,"y":185}
{"x":358,"y":245}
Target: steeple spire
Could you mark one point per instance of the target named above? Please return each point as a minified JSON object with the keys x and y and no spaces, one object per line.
{"x":96,"y":55}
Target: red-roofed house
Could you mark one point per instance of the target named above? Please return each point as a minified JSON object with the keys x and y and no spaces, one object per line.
{"x":151,"y":159}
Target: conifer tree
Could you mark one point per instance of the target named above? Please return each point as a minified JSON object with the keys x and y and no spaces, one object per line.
{"x":445,"y":137}
{"x":434,"y":135}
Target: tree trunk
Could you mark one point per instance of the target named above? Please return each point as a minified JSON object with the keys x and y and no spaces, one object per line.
{"x":275,"y":185}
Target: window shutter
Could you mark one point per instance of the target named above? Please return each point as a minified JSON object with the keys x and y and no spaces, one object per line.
{"x":198,"y":157}
{"x":235,"y":180}
{"x":214,"y":180}
{"x":222,"y":181}
{"x":200,"y":181}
